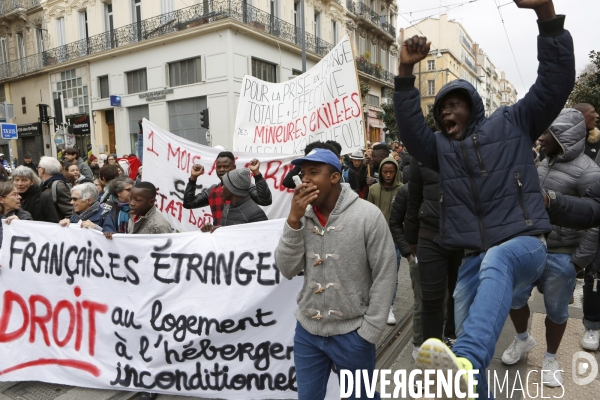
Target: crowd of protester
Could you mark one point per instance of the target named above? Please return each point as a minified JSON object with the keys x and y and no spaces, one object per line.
{"x":512,"y":199}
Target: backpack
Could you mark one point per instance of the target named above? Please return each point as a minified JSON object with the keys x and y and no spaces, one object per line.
{"x":345,"y":175}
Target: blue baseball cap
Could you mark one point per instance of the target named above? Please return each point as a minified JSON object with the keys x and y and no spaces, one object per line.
{"x":321,"y":156}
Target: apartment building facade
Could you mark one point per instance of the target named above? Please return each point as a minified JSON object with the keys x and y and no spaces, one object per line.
{"x":167,"y":60}
{"x":455,"y":55}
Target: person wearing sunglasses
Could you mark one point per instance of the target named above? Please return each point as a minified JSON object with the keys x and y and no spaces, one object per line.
{"x":86,"y":207}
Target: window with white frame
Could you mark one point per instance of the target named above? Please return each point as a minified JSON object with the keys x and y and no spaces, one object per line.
{"x":20,"y":46}
{"x":136,"y":81}
{"x":334,"y":32}
{"x":372,"y":100}
{"x":3,"y":52}
{"x":39,"y":40}
{"x":317,"y":24}
{"x":431,"y":87}
{"x":74,"y":92}
{"x":430,"y":65}
{"x":184,"y":72}
{"x":264,"y":70}
{"x":61,"y":38}
{"x":362,"y":45}
{"x":103,"y":87}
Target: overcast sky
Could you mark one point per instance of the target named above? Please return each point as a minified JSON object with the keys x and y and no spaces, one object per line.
{"x":481,"y":20}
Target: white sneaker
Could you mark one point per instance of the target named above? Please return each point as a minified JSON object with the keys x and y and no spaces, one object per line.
{"x":415,"y":352}
{"x":513,"y":354}
{"x":551,"y":375}
{"x":391,"y":318}
{"x":590,"y":340}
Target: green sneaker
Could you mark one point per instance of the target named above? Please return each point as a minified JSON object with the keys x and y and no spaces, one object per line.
{"x":434,"y":354}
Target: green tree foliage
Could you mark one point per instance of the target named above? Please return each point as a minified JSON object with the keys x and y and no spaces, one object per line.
{"x":389,"y":120}
{"x":430,"y":120}
{"x":587,"y":86}
{"x":364,"y":90}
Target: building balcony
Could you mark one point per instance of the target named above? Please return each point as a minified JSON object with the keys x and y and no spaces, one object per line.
{"x":361,"y":10}
{"x":470,"y":64}
{"x":374,"y":70}
{"x":179,"y":20}
{"x":466,"y":43}
{"x":13,"y":7}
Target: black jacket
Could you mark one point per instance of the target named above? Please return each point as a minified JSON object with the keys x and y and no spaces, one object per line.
{"x":242,"y":212}
{"x":397,"y":220}
{"x":490,"y":187}
{"x":39,"y":205}
{"x":423,"y":210}
{"x":63,"y":205}
{"x":260,"y":193}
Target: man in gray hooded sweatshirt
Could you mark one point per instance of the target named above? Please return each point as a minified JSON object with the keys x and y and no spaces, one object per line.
{"x":566,"y":170}
{"x":346,"y":250}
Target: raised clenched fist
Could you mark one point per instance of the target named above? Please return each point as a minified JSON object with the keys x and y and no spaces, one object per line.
{"x":412,"y":51}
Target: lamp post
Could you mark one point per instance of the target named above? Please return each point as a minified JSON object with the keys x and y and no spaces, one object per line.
{"x":303,"y":36}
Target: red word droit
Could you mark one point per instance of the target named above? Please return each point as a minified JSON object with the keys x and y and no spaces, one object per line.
{"x":39,"y":314}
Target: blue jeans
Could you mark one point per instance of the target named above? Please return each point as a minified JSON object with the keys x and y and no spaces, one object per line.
{"x":557,"y":284}
{"x":483,"y":297}
{"x":314,"y":356}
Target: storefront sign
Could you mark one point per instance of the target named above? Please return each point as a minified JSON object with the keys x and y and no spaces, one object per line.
{"x":26,"y":130}
{"x":81,"y":125}
{"x":156,"y":95}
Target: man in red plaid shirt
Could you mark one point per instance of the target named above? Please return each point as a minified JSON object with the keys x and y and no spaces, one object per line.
{"x":213,"y":196}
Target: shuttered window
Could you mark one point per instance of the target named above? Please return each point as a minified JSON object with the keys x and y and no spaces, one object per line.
{"x":136,"y":81}
{"x":103,"y":82}
{"x":184,"y":72}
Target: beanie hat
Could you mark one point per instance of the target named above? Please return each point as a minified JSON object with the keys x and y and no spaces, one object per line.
{"x":93,"y":157}
{"x":238,"y":181}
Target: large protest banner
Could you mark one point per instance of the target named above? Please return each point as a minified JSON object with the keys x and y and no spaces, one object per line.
{"x":189,"y":314}
{"x":168,"y":160}
{"x":321,"y":104}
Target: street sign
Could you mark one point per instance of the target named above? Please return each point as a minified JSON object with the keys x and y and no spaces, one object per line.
{"x":9,"y":131}
{"x":115,"y":101}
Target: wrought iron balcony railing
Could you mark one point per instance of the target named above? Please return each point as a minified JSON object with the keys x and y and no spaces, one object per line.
{"x":182,"y":19}
{"x":362,"y":10}
{"x":8,"y":6}
{"x":374,"y":70}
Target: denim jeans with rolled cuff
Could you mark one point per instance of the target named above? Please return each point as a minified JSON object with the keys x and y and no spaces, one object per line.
{"x":483,"y":296}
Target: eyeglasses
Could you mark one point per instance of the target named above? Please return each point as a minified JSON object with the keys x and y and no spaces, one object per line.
{"x":13,"y":194}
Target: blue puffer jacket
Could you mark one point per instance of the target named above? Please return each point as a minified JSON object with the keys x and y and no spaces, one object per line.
{"x":490,"y":191}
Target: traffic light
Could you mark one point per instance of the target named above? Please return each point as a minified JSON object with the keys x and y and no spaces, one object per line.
{"x":58,"y":117}
{"x":44,"y":113}
{"x":204,"y":118}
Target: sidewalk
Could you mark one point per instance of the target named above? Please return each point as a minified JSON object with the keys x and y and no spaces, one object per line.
{"x":518,"y":373}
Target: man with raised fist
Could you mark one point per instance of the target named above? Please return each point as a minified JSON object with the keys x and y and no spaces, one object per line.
{"x":490,"y":200}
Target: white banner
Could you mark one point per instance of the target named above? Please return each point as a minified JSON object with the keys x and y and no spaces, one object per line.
{"x":189,"y":314}
{"x":168,"y":160}
{"x":321,"y":104}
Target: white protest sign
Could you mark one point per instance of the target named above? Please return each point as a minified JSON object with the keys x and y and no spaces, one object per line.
{"x":189,"y":314}
{"x":168,"y":160}
{"x":321,"y":104}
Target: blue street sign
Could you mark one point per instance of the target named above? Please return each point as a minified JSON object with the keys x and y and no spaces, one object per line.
{"x":115,"y":101}
{"x":9,"y":131}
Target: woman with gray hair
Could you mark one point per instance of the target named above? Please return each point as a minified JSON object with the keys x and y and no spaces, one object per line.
{"x":86,"y":208}
{"x":10,"y":205}
{"x":117,"y":206}
{"x":38,"y":204}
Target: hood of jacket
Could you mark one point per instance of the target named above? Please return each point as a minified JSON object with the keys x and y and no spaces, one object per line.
{"x":57,"y":177}
{"x":477,"y":108}
{"x":569,"y":131}
{"x":397,"y":182}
